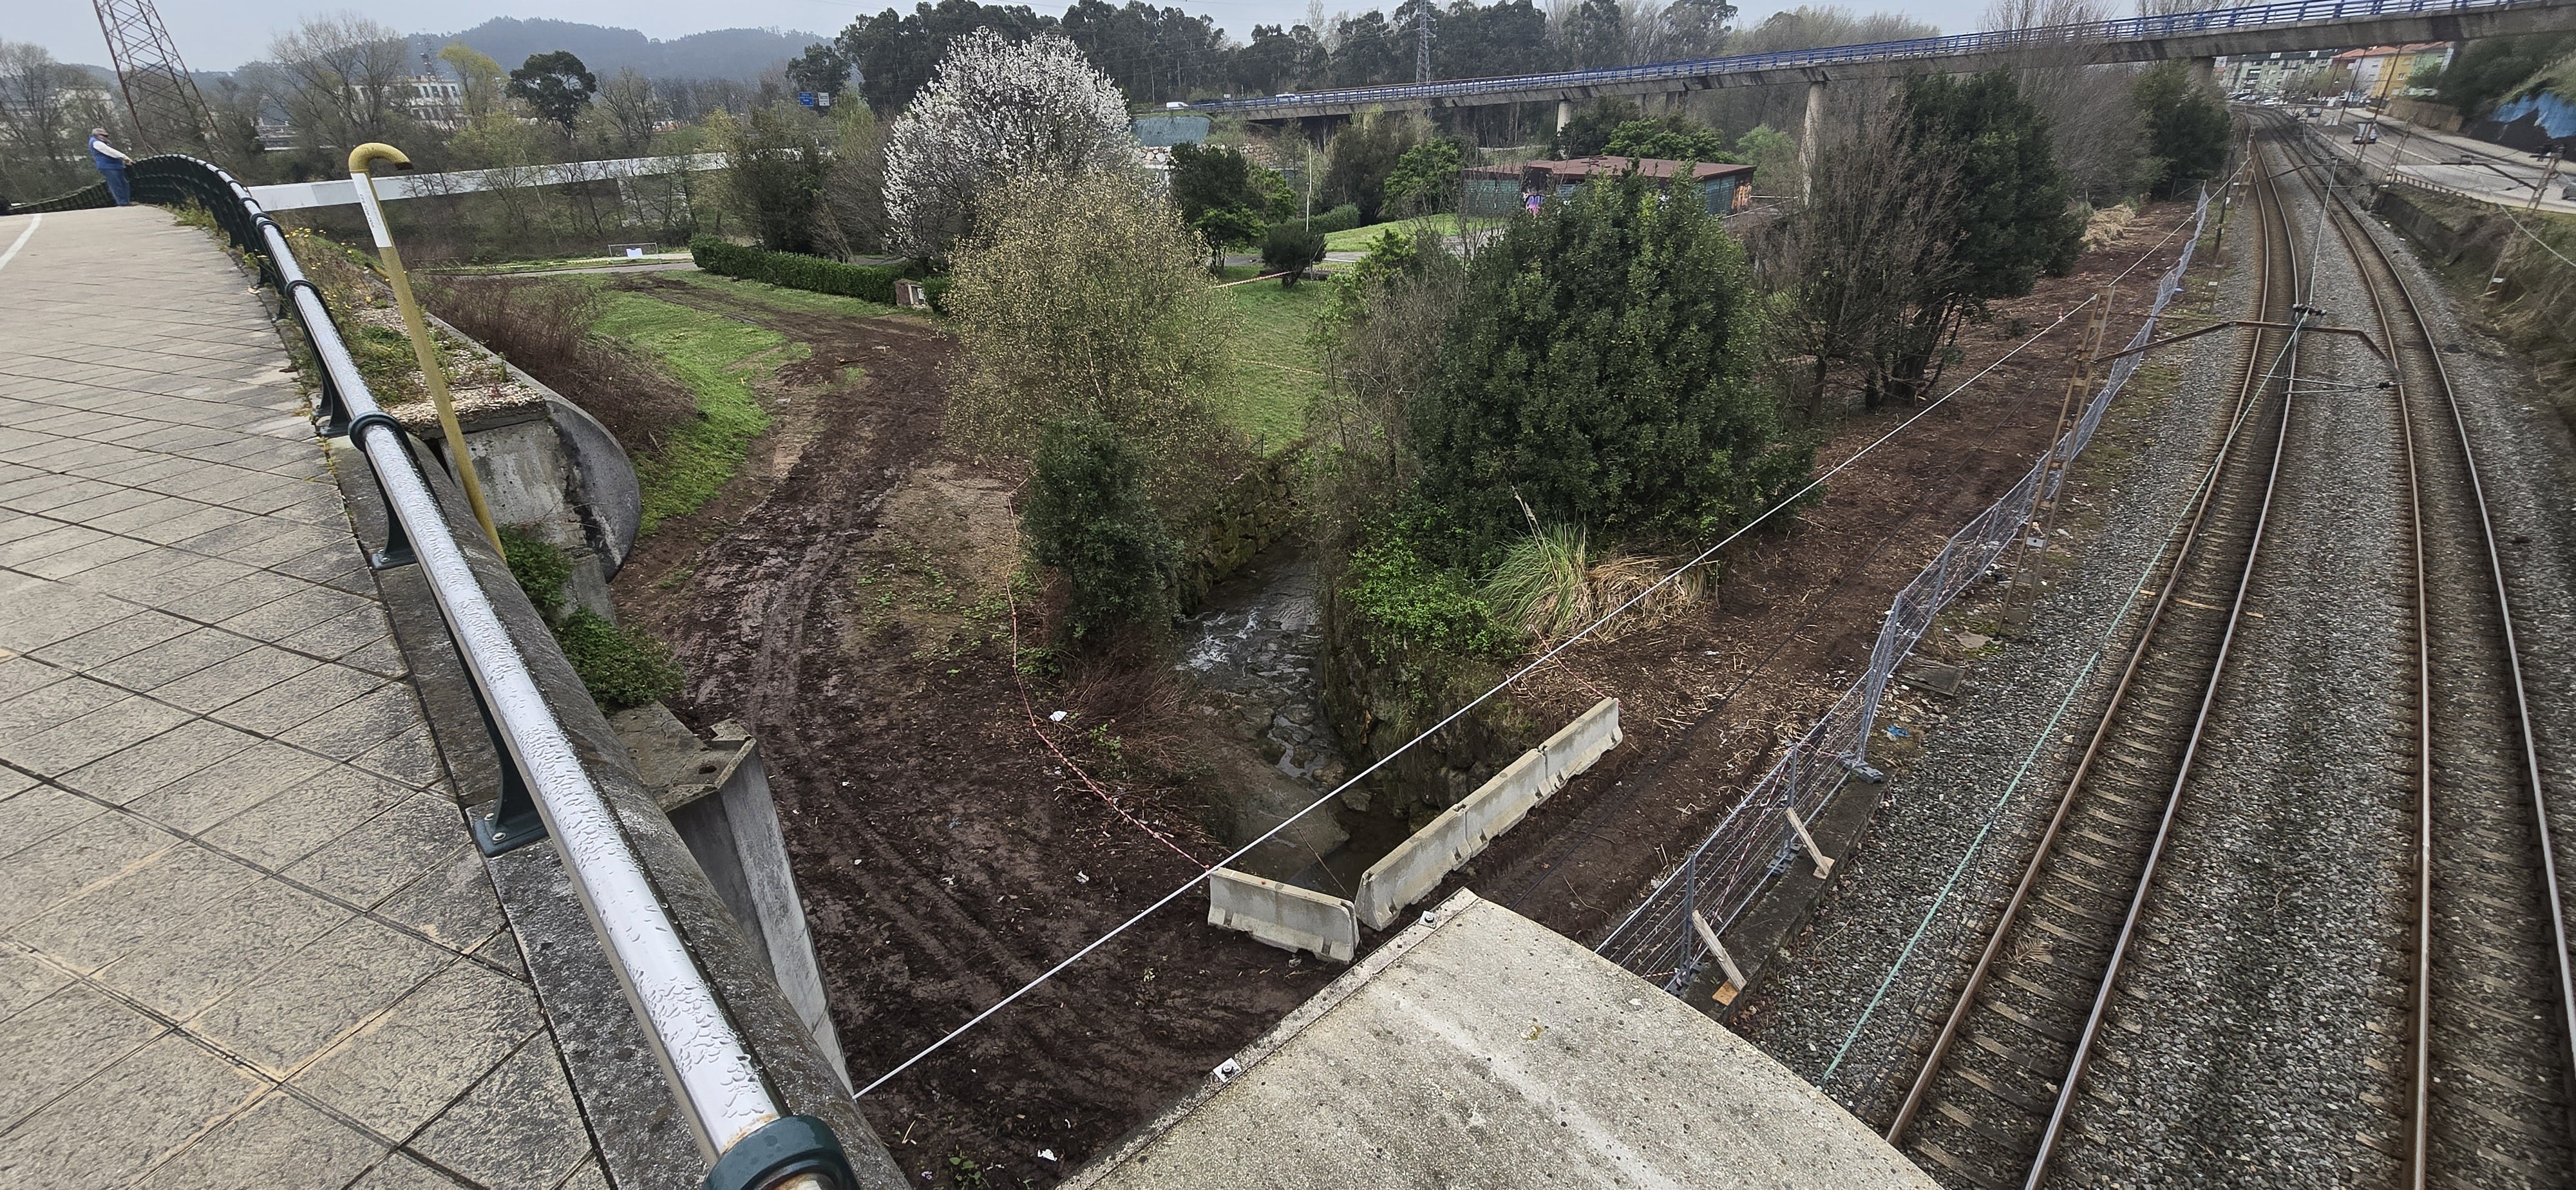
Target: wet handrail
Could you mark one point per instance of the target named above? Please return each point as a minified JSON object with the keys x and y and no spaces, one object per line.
{"x":749,"y":1140}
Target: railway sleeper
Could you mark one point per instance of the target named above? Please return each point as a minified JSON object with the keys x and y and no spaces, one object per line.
{"x":1942,"y":1158}
{"x":1978,"y":1127}
{"x":2061,"y":933}
{"x":2061,"y":1034}
{"x":2043,"y":1073}
{"x":2079,"y":910}
{"x":2033,"y":1106}
{"x":2489,"y":1080}
{"x":2521,"y":1126}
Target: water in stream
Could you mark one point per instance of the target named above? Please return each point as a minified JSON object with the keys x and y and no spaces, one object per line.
{"x":1254,"y":656}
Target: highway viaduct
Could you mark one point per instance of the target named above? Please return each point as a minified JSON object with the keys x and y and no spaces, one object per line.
{"x":2194,"y":36}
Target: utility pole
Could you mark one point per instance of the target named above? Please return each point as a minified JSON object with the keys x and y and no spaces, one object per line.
{"x":1422,"y":43}
{"x":2540,"y":187}
{"x":168,"y":113}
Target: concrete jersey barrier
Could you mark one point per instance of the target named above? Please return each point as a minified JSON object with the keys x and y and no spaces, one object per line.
{"x":1283,"y":915}
{"x":1417,"y":865}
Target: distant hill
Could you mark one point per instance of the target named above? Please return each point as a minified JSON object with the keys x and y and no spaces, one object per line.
{"x":743,"y":54}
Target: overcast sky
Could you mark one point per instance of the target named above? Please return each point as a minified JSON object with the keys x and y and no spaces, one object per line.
{"x":222,"y":34}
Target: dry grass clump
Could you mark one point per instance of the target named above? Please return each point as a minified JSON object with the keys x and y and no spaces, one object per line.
{"x":544,"y":327}
{"x":2108,"y":225}
{"x":1550,"y":585}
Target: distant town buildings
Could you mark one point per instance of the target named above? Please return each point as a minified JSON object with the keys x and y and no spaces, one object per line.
{"x":433,"y":98}
{"x":2380,"y":71}
{"x":2377,"y":72}
{"x":2288,"y":72}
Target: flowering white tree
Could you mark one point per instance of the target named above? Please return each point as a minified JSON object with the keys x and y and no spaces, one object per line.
{"x":995,"y":109}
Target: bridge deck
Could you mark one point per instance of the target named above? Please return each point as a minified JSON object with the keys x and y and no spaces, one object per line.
{"x":243,"y":938}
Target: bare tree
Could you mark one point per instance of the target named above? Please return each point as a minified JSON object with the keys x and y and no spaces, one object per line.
{"x":339,"y":76}
{"x":623,"y":116}
{"x":46,"y":111}
{"x":2092,"y":125}
{"x":1379,"y":349}
{"x":1853,"y":265}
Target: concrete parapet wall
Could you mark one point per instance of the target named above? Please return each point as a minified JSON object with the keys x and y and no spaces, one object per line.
{"x":1418,"y":865}
{"x":643,"y":1141}
{"x":1283,"y":915}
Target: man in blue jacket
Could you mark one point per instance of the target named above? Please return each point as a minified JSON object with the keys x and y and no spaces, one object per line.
{"x":111,"y":165}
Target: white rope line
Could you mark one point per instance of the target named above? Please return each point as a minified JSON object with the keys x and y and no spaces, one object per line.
{"x":33,"y":222}
{"x":1479,"y":700}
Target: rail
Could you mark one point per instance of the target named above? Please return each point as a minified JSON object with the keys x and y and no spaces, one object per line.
{"x":2059,"y":945}
{"x":748,"y":1140}
{"x":2090,"y":33}
{"x":2404,"y":328}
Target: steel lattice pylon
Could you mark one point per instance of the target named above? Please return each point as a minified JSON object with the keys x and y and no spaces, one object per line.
{"x":169,"y":114}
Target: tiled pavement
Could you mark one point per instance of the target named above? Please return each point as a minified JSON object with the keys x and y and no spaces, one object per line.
{"x":243,"y":940}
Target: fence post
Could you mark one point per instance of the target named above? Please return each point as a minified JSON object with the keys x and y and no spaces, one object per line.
{"x":1735,"y":980}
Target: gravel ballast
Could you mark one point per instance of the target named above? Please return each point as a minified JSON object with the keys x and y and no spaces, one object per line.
{"x":2259,"y":1034}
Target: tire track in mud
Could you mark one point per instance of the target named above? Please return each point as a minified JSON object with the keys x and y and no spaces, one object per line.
{"x":944,"y":859}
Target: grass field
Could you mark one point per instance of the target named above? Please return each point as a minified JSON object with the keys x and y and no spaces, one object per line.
{"x":1357,"y":239}
{"x":506,"y":268}
{"x":788,"y":301}
{"x":717,"y":358}
{"x":1276,"y":364}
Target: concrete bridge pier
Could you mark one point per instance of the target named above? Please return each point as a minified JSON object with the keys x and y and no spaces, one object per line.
{"x":2204,"y":72}
{"x":1564,"y":113}
{"x":1809,"y":134}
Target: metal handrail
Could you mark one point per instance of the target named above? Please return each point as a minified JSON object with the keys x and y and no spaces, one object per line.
{"x":2259,"y":16}
{"x":747,"y":1138}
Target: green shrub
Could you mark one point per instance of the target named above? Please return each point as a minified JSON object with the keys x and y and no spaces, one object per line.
{"x":1088,"y":517}
{"x":621,"y":668}
{"x":790,"y":270}
{"x":1543,"y":584}
{"x":542,"y":570}
{"x":1290,"y":250}
{"x":935,"y":291}
{"x":1341,"y":218}
{"x":1604,"y":371}
{"x":1406,"y":604}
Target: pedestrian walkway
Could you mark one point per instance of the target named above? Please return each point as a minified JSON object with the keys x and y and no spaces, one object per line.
{"x":2487,"y":172}
{"x":244,"y":941}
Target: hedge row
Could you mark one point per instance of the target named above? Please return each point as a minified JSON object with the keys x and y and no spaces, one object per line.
{"x":1341,"y":218}
{"x":793,"y":270}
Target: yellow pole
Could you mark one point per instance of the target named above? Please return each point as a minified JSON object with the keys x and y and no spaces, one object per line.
{"x":422,"y":347}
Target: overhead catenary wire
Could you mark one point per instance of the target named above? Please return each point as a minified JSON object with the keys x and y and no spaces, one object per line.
{"x":1544,"y":658}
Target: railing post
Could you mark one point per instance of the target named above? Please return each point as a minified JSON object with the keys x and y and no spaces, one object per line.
{"x":397,"y":551}
{"x":513,"y":822}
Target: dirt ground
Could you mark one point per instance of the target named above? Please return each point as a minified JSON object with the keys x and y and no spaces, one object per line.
{"x":847,"y":596}
{"x":1707,"y":700}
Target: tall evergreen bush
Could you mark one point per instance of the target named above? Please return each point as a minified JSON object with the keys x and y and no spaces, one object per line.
{"x":1088,"y":516}
{"x":1601,"y":373}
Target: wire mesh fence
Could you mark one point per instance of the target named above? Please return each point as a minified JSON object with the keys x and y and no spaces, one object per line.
{"x":1757,"y":839}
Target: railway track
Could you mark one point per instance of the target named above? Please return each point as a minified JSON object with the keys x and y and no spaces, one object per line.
{"x":2491,"y":1084}
{"x":1991,"y":1100}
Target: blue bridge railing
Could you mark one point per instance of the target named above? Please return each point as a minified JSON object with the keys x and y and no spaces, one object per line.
{"x":2126,"y":29}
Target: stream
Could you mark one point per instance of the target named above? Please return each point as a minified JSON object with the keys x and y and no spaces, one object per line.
{"x":1254,"y":657}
